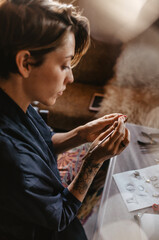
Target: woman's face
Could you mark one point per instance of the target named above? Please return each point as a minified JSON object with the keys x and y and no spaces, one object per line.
{"x":48,"y":81}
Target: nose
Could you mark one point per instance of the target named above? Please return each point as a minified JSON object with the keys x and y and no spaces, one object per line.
{"x":69,"y":77}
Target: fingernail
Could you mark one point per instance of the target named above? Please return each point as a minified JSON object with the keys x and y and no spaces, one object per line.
{"x":122,"y":118}
{"x":120,"y":115}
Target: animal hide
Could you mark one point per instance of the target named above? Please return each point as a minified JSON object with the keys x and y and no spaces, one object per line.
{"x":134,"y":90}
{"x":138,"y":104}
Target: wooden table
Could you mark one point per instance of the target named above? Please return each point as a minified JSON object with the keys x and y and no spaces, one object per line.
{"x":114,"y":222}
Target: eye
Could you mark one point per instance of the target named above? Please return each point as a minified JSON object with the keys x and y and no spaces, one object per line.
{"x":65,"y":67}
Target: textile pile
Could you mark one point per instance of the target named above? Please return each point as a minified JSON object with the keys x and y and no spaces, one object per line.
{"x":68,"y":165}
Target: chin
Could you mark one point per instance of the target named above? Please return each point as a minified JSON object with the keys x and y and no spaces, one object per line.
{"x":49,"y":102}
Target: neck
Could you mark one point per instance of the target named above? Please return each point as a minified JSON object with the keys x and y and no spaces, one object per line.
{"x":15,"y":91}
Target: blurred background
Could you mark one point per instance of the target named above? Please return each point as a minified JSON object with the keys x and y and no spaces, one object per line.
{"x":122,"y":63}
{"x":119,"y":20}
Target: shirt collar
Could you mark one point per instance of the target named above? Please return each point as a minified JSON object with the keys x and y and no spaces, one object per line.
{"x":9,"y":107}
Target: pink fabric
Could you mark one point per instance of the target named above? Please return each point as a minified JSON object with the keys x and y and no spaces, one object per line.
{"x":69,"y":163}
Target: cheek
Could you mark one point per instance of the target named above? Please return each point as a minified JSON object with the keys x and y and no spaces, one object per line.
{"x":51,"y":74}
{"x":48,"y":79}
{"x":56,"y":78}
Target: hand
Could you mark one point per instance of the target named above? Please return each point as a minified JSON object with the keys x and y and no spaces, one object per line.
{"x":92,"y":161}
{"x":112,"y":146}
{"x":90,"y":131}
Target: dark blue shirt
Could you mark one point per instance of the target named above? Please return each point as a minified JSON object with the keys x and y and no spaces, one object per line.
{"x":33,"y":200}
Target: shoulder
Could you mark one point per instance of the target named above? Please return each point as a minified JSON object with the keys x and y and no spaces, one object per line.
{"x":10,"y":157}
{"x":21,"y":163}
{"x":6,"y":145}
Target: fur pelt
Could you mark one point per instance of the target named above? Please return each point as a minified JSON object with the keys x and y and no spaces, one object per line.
{"x":137,"y":104}
{"x":134,"y":89}
{"x":138,"y":63}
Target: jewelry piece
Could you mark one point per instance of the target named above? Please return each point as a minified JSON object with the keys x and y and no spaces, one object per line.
{"x":142,"y":194}
{"x":155,"y":195}
{"x":148,"y":180}
{"x":131,"y":200}
{"x":156,"y":185}
{"x":155,"y":207}
{"x":153,"y":178}
{"x":136,"y":174}
{"x":130,"y":187}
{"x":141,"y":188}
{"x":138,"y":216}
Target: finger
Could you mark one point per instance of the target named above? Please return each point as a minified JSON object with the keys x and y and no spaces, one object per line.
{"x":109,"y":130}
{"x":108,"y":122}
{"x":107,"y":119}
{"x":103,"y":123}
{"x":119,"y":131}
{"x":113,"y":145}
{"x":113,"y":118}
{"x":119,"y":144}
{"x":112,"y":115}
{"x":126,"y":140}
{"x":124,"y":143}
{"x":119,"y":126}
{"x":117,"y":147}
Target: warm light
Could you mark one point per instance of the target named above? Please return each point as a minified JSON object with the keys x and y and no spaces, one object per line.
{"x":119,"y":20}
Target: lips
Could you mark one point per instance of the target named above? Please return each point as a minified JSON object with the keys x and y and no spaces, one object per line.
{"x":61,"y":92}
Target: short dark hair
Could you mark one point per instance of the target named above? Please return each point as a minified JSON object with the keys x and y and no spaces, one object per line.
{"x":38,"y":26}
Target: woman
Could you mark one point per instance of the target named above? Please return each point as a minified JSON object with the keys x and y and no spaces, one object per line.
{"x":40,"y":41}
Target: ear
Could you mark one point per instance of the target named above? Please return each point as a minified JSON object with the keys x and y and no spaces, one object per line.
{"x":22,"y":61}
